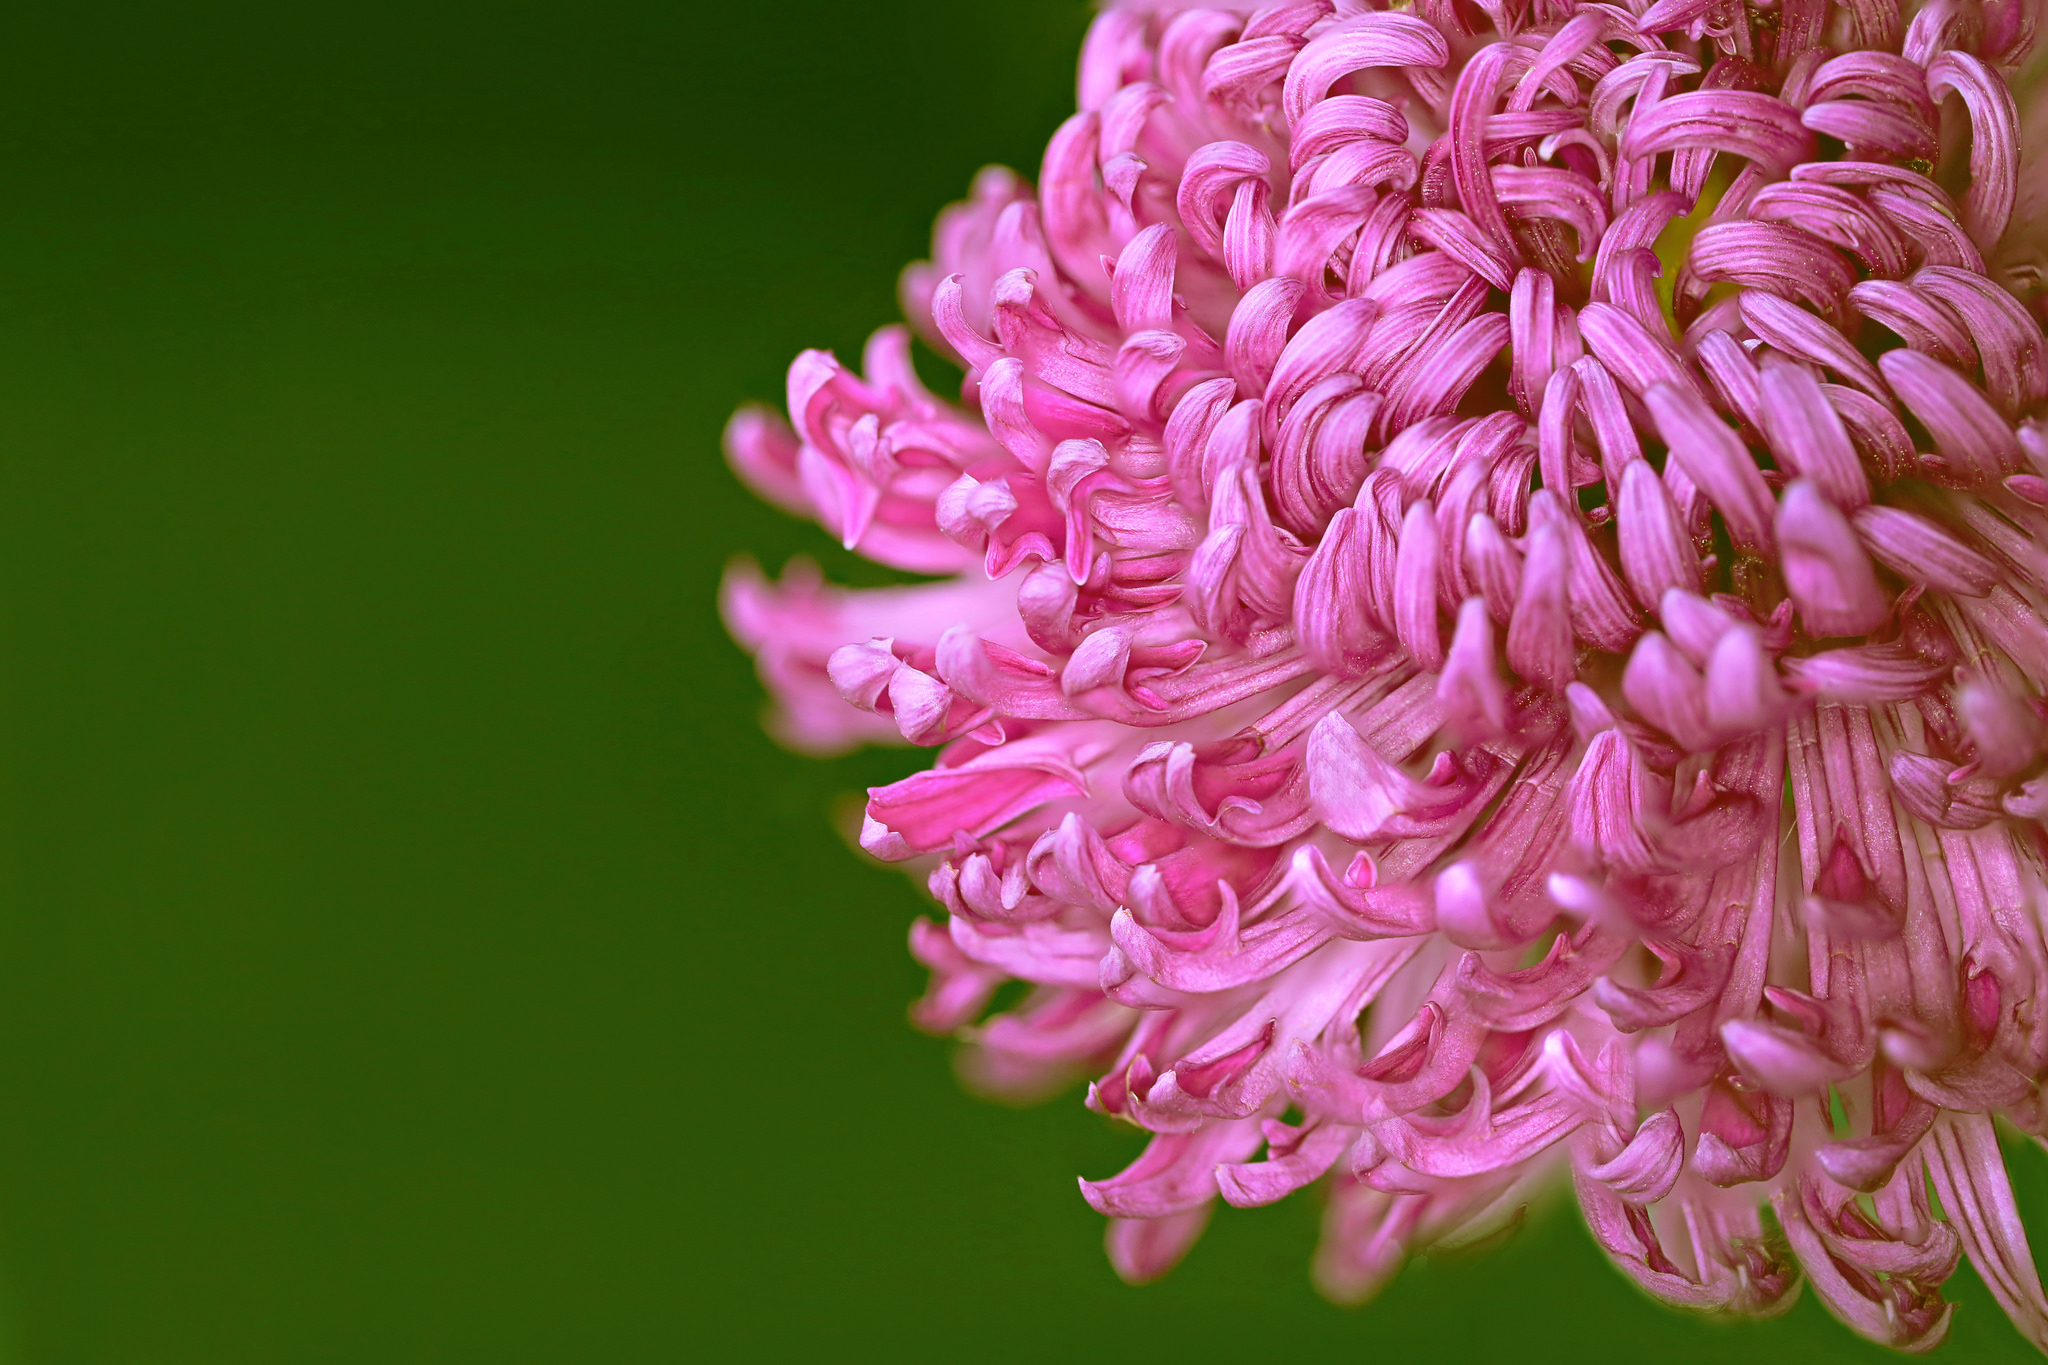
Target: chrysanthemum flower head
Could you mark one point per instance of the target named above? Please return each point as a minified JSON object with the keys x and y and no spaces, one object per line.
{"x":1494,"y":625}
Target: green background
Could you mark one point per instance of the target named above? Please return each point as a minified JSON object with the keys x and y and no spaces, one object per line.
{"x":410,"y":949}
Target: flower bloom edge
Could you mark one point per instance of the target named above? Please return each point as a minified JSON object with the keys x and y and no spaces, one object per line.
{"x":1490,"y":625}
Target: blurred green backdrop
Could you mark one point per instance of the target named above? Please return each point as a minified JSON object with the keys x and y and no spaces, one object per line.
{"x":410,"y":949}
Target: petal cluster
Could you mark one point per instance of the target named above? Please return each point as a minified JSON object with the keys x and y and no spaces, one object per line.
{"x":1491,"y":624}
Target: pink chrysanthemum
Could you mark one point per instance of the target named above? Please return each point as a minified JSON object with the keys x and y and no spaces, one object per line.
{"x":1498,"y":620}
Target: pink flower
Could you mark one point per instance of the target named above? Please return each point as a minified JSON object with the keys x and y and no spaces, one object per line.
{"x":1496,"y":601}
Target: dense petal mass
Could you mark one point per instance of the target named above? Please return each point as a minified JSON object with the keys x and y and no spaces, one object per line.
{"x":1494,"y":627}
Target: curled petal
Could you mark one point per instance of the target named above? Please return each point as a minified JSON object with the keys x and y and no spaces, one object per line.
{"x":1926,"y":787}
{"x":1880,"y":437}
{"x":1842,"y":1252}
{"x":1808,"y":437}
{"x":1141,"y":292}
{"x":1539,"y":645}
{"x":1368,"y":40}
{"x":1825,"y":568}
{"x":1291,"y":1162}
{"x":2003,"y":333}
{"x":1836,"y":216}
{"x":1922,"y":551}
{"x":1875,"y":75}
{"x":1340,"y":120}
{"x":1415,"y":576}
{"x":1870,"y":129}
{"x":1363,"y":797}
{"x":1497,"y":1140}
{"x":1745,"y":1134}
{"x":1760,"y":127}
{"x":1783,"y":1062}
{"x":1867,"y":674}
{"x":1799,"y":333}
{"x":1644,"y":1171}
{"x":1214,"y":170}
{"x":1977,"y":445}
{"x":1547,"y":192}
{"x":1355,"y":905}
{"x":1929,"y":222}
{"x":1867,"y":1163}
{"x":1611,"y":804}
{"x":1469,"y":689}
{"x":1142,"y":1250}
{"x":1774,"y":258}
{"x":1742,"y":687}
{"x":1712,"y":454}
{"x":1994,"y":140}
{"x":1918,"y":320}
{"x":1176,"y":1173}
